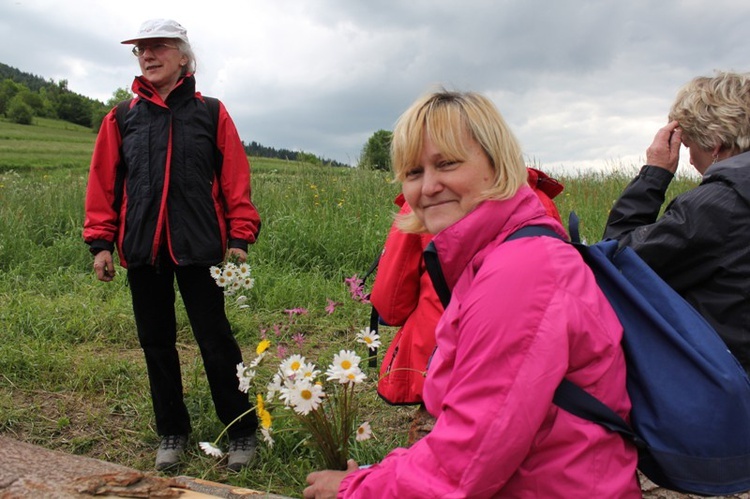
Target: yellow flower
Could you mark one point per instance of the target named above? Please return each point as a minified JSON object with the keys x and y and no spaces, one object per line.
{"x":263,"y":414}
{"x":261,"y":404}
{"x":262,"y":346}
{"x":265,"y":419}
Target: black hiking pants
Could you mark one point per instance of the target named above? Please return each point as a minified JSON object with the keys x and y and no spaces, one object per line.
{"x":153,"y":293}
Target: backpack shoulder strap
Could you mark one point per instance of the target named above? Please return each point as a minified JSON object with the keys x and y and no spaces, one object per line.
{"x":120,"y":112}
{"x":569,"y":396}
{"x":533,"y":230}
{"x":432,"y":265}
{"x":577,"y":401}
{"x":212,"y":103}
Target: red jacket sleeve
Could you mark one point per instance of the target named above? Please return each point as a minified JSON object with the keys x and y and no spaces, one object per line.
{"x":101,"y":219}
{"x":243,"y":220}
{"x":395,"y":292}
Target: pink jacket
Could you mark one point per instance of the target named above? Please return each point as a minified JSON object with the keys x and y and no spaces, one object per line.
{"x":522,"y":316}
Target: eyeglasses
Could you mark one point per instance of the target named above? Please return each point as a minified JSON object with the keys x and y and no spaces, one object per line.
{"x":156,"y":48}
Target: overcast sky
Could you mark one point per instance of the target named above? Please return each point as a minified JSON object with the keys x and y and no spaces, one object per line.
{"x":583,"y":84}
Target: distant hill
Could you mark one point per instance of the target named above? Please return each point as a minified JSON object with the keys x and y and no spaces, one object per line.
{"x":32,"y":82}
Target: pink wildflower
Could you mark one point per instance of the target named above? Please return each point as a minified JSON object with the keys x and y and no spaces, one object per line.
{"x":356,"y":288}
{"x":295,"y":311}
{"x":281,"y":351}
{"x":331,"y":306}
{"x":299,"y":339}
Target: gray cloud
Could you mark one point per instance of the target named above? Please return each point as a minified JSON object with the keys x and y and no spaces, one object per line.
{"x":583,"y":83}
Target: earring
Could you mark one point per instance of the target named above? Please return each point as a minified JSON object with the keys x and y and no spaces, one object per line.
{"x":715,"y":158}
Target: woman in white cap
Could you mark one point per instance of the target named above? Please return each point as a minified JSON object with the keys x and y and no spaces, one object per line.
{"x":169,"y":187}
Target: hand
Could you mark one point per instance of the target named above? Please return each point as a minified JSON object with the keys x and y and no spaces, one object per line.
{"x":325,"y":484}
{"x":104,"y":266}
{"x":664,"y":151}
{"x":236,"y":254}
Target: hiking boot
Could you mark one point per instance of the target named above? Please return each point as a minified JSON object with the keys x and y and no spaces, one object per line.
{"x":170,"y":451}
{"x":241,"y":452}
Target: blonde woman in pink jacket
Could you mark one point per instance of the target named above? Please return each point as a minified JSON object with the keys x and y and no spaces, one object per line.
{"x":522,"y":316}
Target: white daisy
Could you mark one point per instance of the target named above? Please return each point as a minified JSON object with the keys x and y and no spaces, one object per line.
{"x":248,"y":282}
{"x":257,"y":360}
{"x":306,"y":396}
{"x":309,"y":371}
{"x":369,"y":338}
{"x":211,"y":449}
{"x":286,"y":393}
{"x":353,"y":376}
{"x":245,"y":376}
{"x":364,"y":432}
{"x":291,"y":365}
{"x":230,"y":270}
{"x":246,"y":382}
{"x":345,"y":360}
{"x":243,"y":270}
{"x":273,"y":387}
{"x":215,"y":271}
{"x":345,"y":368}
{"x":266,"y":432}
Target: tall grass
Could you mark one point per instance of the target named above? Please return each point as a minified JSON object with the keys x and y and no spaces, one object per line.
{"x":72,"y":375}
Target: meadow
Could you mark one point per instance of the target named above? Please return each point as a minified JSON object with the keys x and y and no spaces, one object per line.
{"x":72,"y":376}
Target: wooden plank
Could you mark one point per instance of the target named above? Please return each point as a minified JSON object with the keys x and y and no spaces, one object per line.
{"x":28,"y":470}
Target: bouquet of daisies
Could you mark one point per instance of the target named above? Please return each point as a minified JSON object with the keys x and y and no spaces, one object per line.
{"x":324,"y":404}
{"x":232,"y":277}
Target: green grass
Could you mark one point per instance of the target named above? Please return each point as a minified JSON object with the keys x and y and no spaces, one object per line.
{"x":72,"y":375}
{"x":46,"y":143}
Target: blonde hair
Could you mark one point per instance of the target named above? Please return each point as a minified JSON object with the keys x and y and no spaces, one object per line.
{"x":448,"y":118}
{"x":715,"y":111}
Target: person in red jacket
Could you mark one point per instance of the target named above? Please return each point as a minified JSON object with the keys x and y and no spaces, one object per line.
{"x":403,"y":295}
{"x":170,"y":188}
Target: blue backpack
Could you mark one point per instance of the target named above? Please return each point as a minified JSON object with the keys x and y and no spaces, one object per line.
{"x":691,"y":397}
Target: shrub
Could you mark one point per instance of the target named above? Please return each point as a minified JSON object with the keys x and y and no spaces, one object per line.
{"x":20,"y":112}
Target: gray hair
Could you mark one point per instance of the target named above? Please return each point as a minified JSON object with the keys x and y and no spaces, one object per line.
{"x":187,"y":51}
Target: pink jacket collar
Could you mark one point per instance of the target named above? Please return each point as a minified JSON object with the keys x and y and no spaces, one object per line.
{"x":459,"y":244}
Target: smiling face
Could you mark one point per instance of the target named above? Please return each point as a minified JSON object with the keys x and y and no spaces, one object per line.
{"x":161,"y":63}
{"x":442,"y":190}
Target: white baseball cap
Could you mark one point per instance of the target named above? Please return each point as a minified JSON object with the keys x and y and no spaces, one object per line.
{"x":159,"y":28}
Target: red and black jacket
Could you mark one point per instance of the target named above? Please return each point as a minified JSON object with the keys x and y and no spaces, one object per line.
{"x":172,"y":180}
